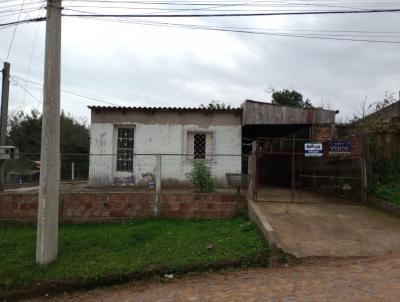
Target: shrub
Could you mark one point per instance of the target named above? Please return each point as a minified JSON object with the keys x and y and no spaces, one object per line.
{"x":201,"y":176}
{"x":386,"y":181}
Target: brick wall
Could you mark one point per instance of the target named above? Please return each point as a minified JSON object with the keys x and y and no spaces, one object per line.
{"x":102,"y":206}
{"x":201,"y":205}
{"x":322,"y":133}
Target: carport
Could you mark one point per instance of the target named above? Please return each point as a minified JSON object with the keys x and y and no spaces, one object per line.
{"x":311,"y":205}
{"x":277,"y":139}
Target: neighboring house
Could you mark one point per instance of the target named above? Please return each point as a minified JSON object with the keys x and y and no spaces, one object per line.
{"x":381,"y":128}
{"x":124,"y":141}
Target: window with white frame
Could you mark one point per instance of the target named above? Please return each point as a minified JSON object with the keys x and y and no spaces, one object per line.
{"x":200,"y":144}
{"x":125,"y":143}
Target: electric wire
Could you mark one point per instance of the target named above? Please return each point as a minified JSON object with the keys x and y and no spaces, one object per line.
{"x":85,"y":14}
{"x":15,"y":30}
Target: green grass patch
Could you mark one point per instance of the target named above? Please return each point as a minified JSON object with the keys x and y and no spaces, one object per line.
{"x":389,"y":191}
{"x":90,"y":251}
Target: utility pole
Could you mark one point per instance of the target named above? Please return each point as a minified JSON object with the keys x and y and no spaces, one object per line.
{"x":5,"y":92}
{"x":47,"y":228}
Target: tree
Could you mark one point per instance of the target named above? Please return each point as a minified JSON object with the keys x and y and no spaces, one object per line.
{"x":388,"y":99}
{"x":288,"y":97}
{"x":215,"y":105}
{"x":25,"y":133}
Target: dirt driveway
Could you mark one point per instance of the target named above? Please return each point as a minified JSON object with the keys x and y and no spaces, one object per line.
{"x":365,"y":279}
{"x":332,"y":229}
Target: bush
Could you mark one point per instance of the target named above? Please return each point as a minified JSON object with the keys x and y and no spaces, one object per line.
{"x":386,"y":181}
{"x":201,"y":176}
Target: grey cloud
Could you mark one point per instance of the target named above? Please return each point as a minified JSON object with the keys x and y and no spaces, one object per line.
{"x":124,"y":64}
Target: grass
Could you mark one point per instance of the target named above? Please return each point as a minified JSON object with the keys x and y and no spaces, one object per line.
{"x":88,"y":251}
{"x":389,"y":191}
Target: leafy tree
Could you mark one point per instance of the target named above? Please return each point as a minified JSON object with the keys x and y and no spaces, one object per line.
{"x":215,"y":105}
{"x":288,"y":97}
{"x":25,"y":133}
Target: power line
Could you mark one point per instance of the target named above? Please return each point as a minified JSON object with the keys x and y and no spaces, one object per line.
{"x":338,"y":37}
{"x":15,"y":30}
{"x":39,"y":19}
{"x":84,"y":14}
{"x":68,"y":92}
{"x":30,"y":61}
{"x":24,"y":89}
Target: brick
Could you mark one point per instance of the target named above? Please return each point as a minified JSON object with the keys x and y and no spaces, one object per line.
{"x":185,"y":206}
{"x":106,"y":205}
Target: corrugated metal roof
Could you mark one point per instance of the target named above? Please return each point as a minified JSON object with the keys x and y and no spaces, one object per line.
{"x":123,"y":108}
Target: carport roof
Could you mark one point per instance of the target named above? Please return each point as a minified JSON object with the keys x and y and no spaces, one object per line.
{"x":261,"y":113}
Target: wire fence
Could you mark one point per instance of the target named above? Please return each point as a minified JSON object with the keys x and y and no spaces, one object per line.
{"x":287,"y":164}
{"x":116,"y":170}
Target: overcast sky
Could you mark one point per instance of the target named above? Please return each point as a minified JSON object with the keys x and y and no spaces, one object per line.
{"x":138,"y":65}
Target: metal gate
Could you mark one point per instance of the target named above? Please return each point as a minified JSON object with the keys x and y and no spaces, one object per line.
{"x":305,"y":170}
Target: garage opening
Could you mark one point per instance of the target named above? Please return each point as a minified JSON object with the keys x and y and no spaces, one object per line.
{"x":292,"y":166}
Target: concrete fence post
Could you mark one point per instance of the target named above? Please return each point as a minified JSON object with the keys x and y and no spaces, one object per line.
{"x":158,"y":174}
{"x":158,"y":184}
{"x":72,"y":171}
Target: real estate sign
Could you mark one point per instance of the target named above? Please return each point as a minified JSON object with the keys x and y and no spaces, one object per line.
{"x":339,"y":148}
{"x":313,"y":149}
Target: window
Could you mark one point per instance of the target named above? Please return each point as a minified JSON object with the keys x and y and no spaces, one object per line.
{"x":125,"y":149}
{"x":200,"y":144}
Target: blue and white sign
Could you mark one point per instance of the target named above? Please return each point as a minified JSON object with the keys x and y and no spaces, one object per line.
{"x":339,"y":148}
{"x":313,"y":149}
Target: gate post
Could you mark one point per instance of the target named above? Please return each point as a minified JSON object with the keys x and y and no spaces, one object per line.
{"x":250,"y":168}
{"x":252,"y":172}
{"x":255,"y":170}
{"x":364,"y":177}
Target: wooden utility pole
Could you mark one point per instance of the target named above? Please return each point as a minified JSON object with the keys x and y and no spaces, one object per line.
{"x":47,"y":228}
{"x":5,"y":92}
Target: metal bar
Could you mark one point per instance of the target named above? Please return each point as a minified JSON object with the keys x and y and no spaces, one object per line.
{"x":260,"y":139}
{"x":300,"y":184}
{"x":301,"y":153}
{"x":255,"y":150}
{"x":293,"y":167}
{"x":327,"y":176}
{"x":163,"y":154}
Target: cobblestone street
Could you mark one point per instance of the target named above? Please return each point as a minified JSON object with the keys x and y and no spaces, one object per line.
{"x":357,"y":279}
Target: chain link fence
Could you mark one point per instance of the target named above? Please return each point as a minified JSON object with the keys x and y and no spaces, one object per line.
{"x":137,"y":170}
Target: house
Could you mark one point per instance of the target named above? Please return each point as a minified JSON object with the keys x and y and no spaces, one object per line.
{"x":125,"y":141}
{"x":382,"y":128}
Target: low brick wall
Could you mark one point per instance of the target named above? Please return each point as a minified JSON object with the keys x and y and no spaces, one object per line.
{"x":103,"y":206}
{"x":202,"y":205}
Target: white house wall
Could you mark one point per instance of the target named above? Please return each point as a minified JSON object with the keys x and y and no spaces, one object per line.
{"x":166,"y":139}
{"x":101,"y":158}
